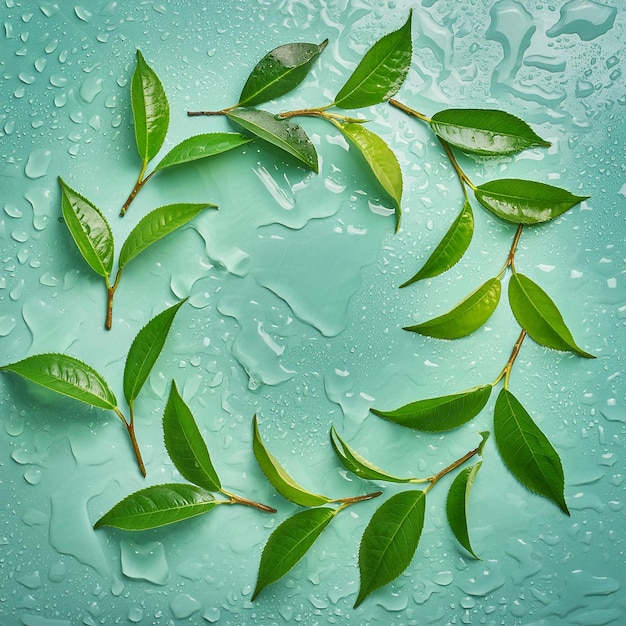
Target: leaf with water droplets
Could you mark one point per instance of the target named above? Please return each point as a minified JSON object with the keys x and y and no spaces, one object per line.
{"x":456,"y":505}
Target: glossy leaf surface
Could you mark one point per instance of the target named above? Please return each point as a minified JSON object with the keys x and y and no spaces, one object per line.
{"x":456,"y":505}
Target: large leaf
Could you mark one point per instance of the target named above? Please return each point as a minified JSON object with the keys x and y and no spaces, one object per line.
{"x":156,"y":225}
{"x":466,"y":317}
{"x":279,"y":71}
{"x":442,"y":413}
{"x":151,"y":111}
{"x":282,"y":133}
{"x":485,"y":131}
{"x":390,"y":540}
{"x":456,"y":505}
{"x":67,"y":376}
{"x":537,"y":314}
{"x":278,"y":476}
{"x":525,"y":201}
{"x":145,"y":350}
{"x":451,"y":248}
{"x":185,"y":445}
{"x":89,"y":229}
{"x":289,"y":543}
{"x":156,"y":506}
{"x":380,"y":73}
{"x":526,"y":451}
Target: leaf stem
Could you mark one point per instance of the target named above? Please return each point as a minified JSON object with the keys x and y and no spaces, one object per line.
{"x":446,"y":470}
{"x":130,"y":428}
{"x":506,"y":370}
{"x":510,"y":259}
{"x":408,"y":110}
{"x":321,"y":112}
{"x":110,"y":293}
{"x":141,"y":181}
{"x":207,"y":113}
{"x":235,"y":499}
{"x":464,"y":180}
{"x":354,"y":499}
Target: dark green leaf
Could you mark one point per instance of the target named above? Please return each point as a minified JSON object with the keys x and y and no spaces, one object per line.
{"x":289,"y":543}
{"x":279,"y":71}
{"x":390,"y":540}
{"x":526,"y":451}
{"x":537,"y":314}
{"x":525,"y":201}
{"x":157,"y":506}
{"x":485,"y":131}
{"x":380,"y":73}
{"x":456,"y":505}
{"x":466,"y":317}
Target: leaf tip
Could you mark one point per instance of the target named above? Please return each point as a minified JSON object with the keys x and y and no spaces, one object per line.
{"x":323,"y":45}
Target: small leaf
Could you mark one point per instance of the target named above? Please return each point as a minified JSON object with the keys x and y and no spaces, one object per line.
{"x":390,"y":540}
{"x":456,"y":505}
{"x":145,"y":350}
{"x":289,"y":543}
{"x":185,"y":445}
{"x":525,"y":201}
{"x":156,"y":225}
{"x":282,"y":133}
{"x":151,"y":111}
{"x":279,"y":71}
{"x":380,"y":73}
{"x":485,"y":434}
{"x":200,"y":147}
{"x":89,"y":229}
{"x":526,"y":451}
{"x":380,"y":158}
{"x":156,"y":506}
{"x":451,"y":249}
{"x":67,"y":376}
{"x":485,"y":131}
{"x":466,"y":317}
{"x":278,"y":476}
{"x":357,"y":464}
{"x":537,"y":314}
{"x":442,"y":413}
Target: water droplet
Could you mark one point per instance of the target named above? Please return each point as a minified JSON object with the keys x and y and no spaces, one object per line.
{"x":211,"y":615}
{"x":144,"y":562}
{"x":585,"y":18}
{"x":82,"y":13}
{"x":38,"y":163}
{"x":135,"y":615}
{"x":7,"y":324}
{"x":90,"y":88}
{"x":33,"y":476}
{"x":57,"y":572}
{"x":184,"y":605}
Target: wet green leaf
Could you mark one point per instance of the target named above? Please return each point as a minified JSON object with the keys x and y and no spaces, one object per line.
{"x":442,"y":413}
{"x":156,"y":506}
{"x":451,"y":249}
{"x":525,"y":201}
{"x":537,"y":314}
{"x":185,"y":445}
{"x":282,"y":133}
{"x":380,"y":73}
{"x":456,"y":505}
{"x":278,"y":476}
{"x":279,"y":71}
{"x":289,"y":543}
{"x":390,"y":540}
{"x":526,"y":451}
{"x":466,"y":317}
{"x":89,"y":229}
{"x":485,"y":131}
{"x":67,"y":376}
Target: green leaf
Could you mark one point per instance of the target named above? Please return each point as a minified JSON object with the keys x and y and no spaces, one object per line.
{"x":185,"y":445}
{"x":67,"y":376}
{"x":89,"y":229}
{"x":279,"y":71}
{"x":145,"y":350}
{"x":289,"y":543}
{"x":380,"y":158}
{"x":442,"y":413}
{"x":282,"y":133}
{"x":526,"y":451}
{"x":537,"y":314}
{"x":200,"y":147}
{"x":485,"y":131}
{"x":156,"y":506}
{"x":390,"y":540}
{"x":380,"y":73}
{"x":357,"y":464}
{"x":278,"y":476}
{"x":151,"y":111}
{"x":466,"y":317}
{"x":525,"y":201}
{"x":456,"y":505}
{"x":451,"y":249}
{"x":156,"y":225}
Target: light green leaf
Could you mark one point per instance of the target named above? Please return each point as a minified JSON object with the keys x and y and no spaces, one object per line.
{"x":380,"y":73}
{"x":156,"y":506}
{"x":456,"y":505}
{"x":537,"y":314}
{"x":526,"y":451}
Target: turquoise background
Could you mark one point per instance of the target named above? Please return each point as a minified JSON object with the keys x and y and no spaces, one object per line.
{"x":294,"y":312}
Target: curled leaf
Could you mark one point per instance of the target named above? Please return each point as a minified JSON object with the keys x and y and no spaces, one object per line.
{"x":456,"y":505}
